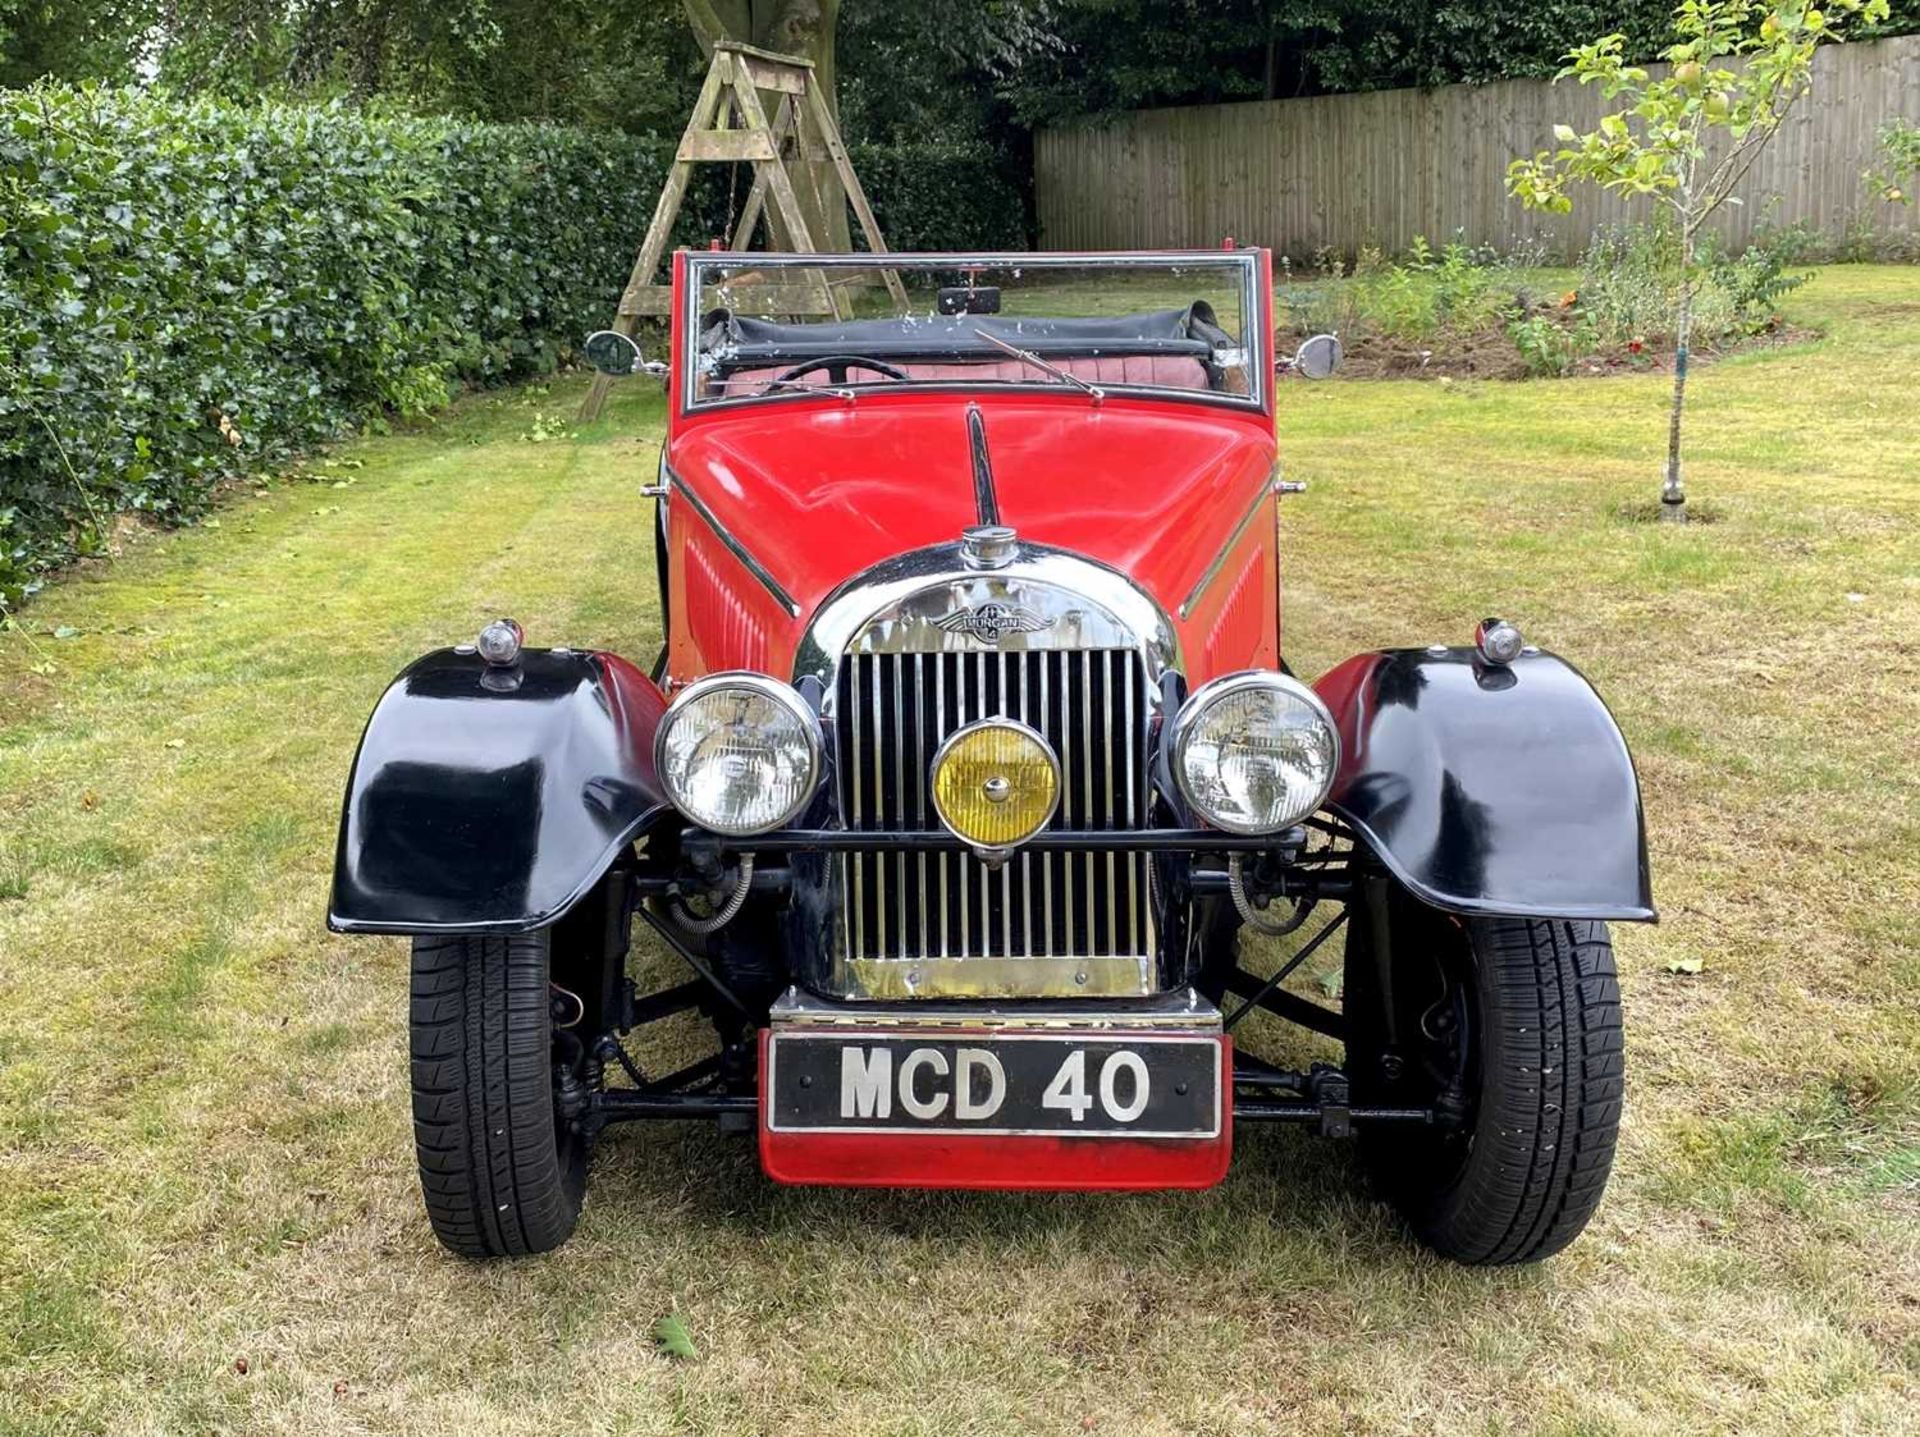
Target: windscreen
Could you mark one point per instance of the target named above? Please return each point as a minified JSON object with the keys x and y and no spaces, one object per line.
{"x":768,"y":327}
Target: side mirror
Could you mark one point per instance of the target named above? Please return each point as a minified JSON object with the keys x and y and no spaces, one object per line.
{"x":611,"y":352}
{"x":1318,"y":357}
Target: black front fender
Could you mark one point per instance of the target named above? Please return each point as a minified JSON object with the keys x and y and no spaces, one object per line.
{"x":1490,"y":790}
{"x":490,"y":800}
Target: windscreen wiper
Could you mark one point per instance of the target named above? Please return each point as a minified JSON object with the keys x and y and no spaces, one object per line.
{"x":838,"y":391}
{"x":1028,"y":357}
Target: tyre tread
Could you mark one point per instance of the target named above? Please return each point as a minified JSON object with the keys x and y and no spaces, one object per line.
{"x":491,"y":1174}
{"x":1548,"y":1119}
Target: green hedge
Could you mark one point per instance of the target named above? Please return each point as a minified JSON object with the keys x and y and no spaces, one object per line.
{"x":189,"y":290}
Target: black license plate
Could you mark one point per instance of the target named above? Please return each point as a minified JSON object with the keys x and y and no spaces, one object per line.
{"x":1158,"y":1087}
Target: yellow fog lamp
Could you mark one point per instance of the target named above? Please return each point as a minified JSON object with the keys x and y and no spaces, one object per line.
{"x":995,"y":784}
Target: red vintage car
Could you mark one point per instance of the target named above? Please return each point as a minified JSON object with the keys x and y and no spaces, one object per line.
{"x":969,"y":767}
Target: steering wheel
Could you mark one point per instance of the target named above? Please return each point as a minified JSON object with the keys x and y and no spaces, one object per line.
{"x":838,"y":364}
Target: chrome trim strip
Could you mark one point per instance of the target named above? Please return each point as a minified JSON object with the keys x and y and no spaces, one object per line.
{"x":1199,"y":398}
{"x":1113,"y":813}
{"x":978,"y":259}
{"x":966,"y":714}
{"x":939,"y":735}
{"x":995,"y":977}
{"x":1178,"y":1008}
{"x":1134,"y":741}
{"x":905,"y":920}
{"x":1264,"y":497}
{"x":1006,"y":869}
{"x":986,"y":874}
{"x":986,"y":501}
{"x":1068,"y":815}
{"x":1046,"y":859}
{"x":856,"y":864}
{"x":879,"y":744}
{"x":734,"y":547}
{"x":922,"y":767}
{"x":1086,"y":786}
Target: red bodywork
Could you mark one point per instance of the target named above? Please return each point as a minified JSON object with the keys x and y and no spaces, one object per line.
{"x":818,"y":490}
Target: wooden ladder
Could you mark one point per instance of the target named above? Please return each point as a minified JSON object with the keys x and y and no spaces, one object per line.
{"x":730,"y":126}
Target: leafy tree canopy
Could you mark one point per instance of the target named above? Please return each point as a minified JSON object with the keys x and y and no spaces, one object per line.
{"x":1103,"y":56}
{"x":941,"y":70}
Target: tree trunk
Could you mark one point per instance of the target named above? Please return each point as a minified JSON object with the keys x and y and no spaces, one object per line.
{"x":1673,"y":492}
{"x":791,"y":27}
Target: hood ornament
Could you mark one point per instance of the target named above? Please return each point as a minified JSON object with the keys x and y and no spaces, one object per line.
{"x":990,"y":621}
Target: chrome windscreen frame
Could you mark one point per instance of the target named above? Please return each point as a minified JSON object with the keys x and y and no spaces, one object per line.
{"x":1254,"y":347}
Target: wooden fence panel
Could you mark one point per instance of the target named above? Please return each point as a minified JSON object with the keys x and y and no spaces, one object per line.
{"x":1347,"y":170}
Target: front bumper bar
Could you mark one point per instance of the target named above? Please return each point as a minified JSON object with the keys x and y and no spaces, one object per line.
{"x":1117,"y":840}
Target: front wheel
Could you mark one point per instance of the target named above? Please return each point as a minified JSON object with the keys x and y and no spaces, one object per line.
{"x":1510,"y":1029}
{"x":501,"y":1173}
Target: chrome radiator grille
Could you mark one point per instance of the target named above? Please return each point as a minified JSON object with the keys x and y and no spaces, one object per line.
{"x":1045,"y":910}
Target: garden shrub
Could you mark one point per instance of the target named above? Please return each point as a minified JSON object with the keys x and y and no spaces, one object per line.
{"x":1426,"y":295}
{"x":191,"y":290}
{"x":1619,"y":312}
{"x":1630,"y":274}
{"x":1550,"y":349}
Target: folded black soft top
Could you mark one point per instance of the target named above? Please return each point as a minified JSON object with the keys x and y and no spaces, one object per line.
{"x":737,"y":340}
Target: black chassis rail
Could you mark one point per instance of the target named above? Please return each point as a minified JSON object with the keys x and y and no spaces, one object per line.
{"x":1262,"y":1093}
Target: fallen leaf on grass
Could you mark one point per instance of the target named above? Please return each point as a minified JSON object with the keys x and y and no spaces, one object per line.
{"x":1688,"y":966}
{"x":671,"y":1333}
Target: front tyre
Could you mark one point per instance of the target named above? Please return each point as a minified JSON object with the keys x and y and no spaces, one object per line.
{"x":502,"y":1175}
{"x":1510,"y":1029}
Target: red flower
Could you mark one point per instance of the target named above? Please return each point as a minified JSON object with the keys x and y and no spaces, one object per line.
{"x":1634,"y":346}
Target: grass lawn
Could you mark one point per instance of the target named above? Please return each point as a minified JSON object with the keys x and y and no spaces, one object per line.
{"x":208,"y":1217}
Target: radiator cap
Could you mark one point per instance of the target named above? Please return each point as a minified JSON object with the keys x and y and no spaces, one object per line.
{"x":988,"y":546}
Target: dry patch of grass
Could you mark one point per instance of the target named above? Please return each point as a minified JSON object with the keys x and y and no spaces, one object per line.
{"x":204,"y":1146}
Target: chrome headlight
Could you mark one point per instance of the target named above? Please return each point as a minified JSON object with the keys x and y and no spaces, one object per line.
{"x":1254,"y":752}
{"x":739,"y":753}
